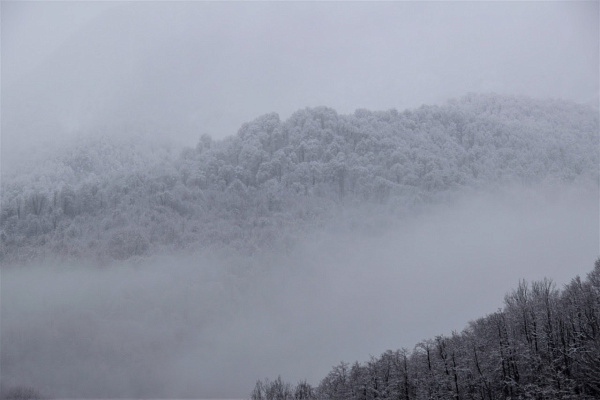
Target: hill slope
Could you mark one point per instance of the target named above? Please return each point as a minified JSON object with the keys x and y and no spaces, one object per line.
{"x":544,"y":344}
{"x":121,"y":199}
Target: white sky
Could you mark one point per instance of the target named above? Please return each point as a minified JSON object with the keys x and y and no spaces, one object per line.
{"x":189,"y":68}
{"x":31,"y":31}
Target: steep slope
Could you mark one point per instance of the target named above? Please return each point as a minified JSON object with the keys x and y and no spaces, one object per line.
{"x":544,"y":344}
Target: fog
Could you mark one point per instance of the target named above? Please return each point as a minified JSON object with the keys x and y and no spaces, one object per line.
{"x":209,"y":325}
{"x":187,"y":68}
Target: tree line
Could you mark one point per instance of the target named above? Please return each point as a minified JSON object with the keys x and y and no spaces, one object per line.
{"x":543,"y":344}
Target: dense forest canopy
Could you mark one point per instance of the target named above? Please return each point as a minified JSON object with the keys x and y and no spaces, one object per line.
{"x":114,"y":199}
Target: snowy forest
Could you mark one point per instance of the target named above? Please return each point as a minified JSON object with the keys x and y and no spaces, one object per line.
{"x":132,"y":267}
{"x":544,"y":344}
{"x":320,"y":200}
{"x":111,"y":198}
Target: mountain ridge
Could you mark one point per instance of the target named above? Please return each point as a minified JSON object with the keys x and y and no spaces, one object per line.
{"x":123,"y":198}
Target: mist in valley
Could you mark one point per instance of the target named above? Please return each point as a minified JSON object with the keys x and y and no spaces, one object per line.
{"x":210,"y":325}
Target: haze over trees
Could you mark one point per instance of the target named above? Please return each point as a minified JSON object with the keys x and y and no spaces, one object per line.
{"x":109,"y":199}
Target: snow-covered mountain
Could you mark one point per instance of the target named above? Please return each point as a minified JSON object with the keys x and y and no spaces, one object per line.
{"x":107,"y":197}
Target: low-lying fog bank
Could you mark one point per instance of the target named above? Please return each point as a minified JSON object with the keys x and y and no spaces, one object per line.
{"x":209,"y":325}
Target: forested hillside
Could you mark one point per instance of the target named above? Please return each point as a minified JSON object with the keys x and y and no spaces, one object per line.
{"x":117,"y":199}
{"x":544,"y":344}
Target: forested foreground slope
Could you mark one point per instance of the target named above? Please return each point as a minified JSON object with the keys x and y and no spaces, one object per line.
{"x":544,"y":344}
{"x":108,"y":199}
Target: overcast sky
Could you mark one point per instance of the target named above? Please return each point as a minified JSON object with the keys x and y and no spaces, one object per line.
{"x":187,"y":68}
